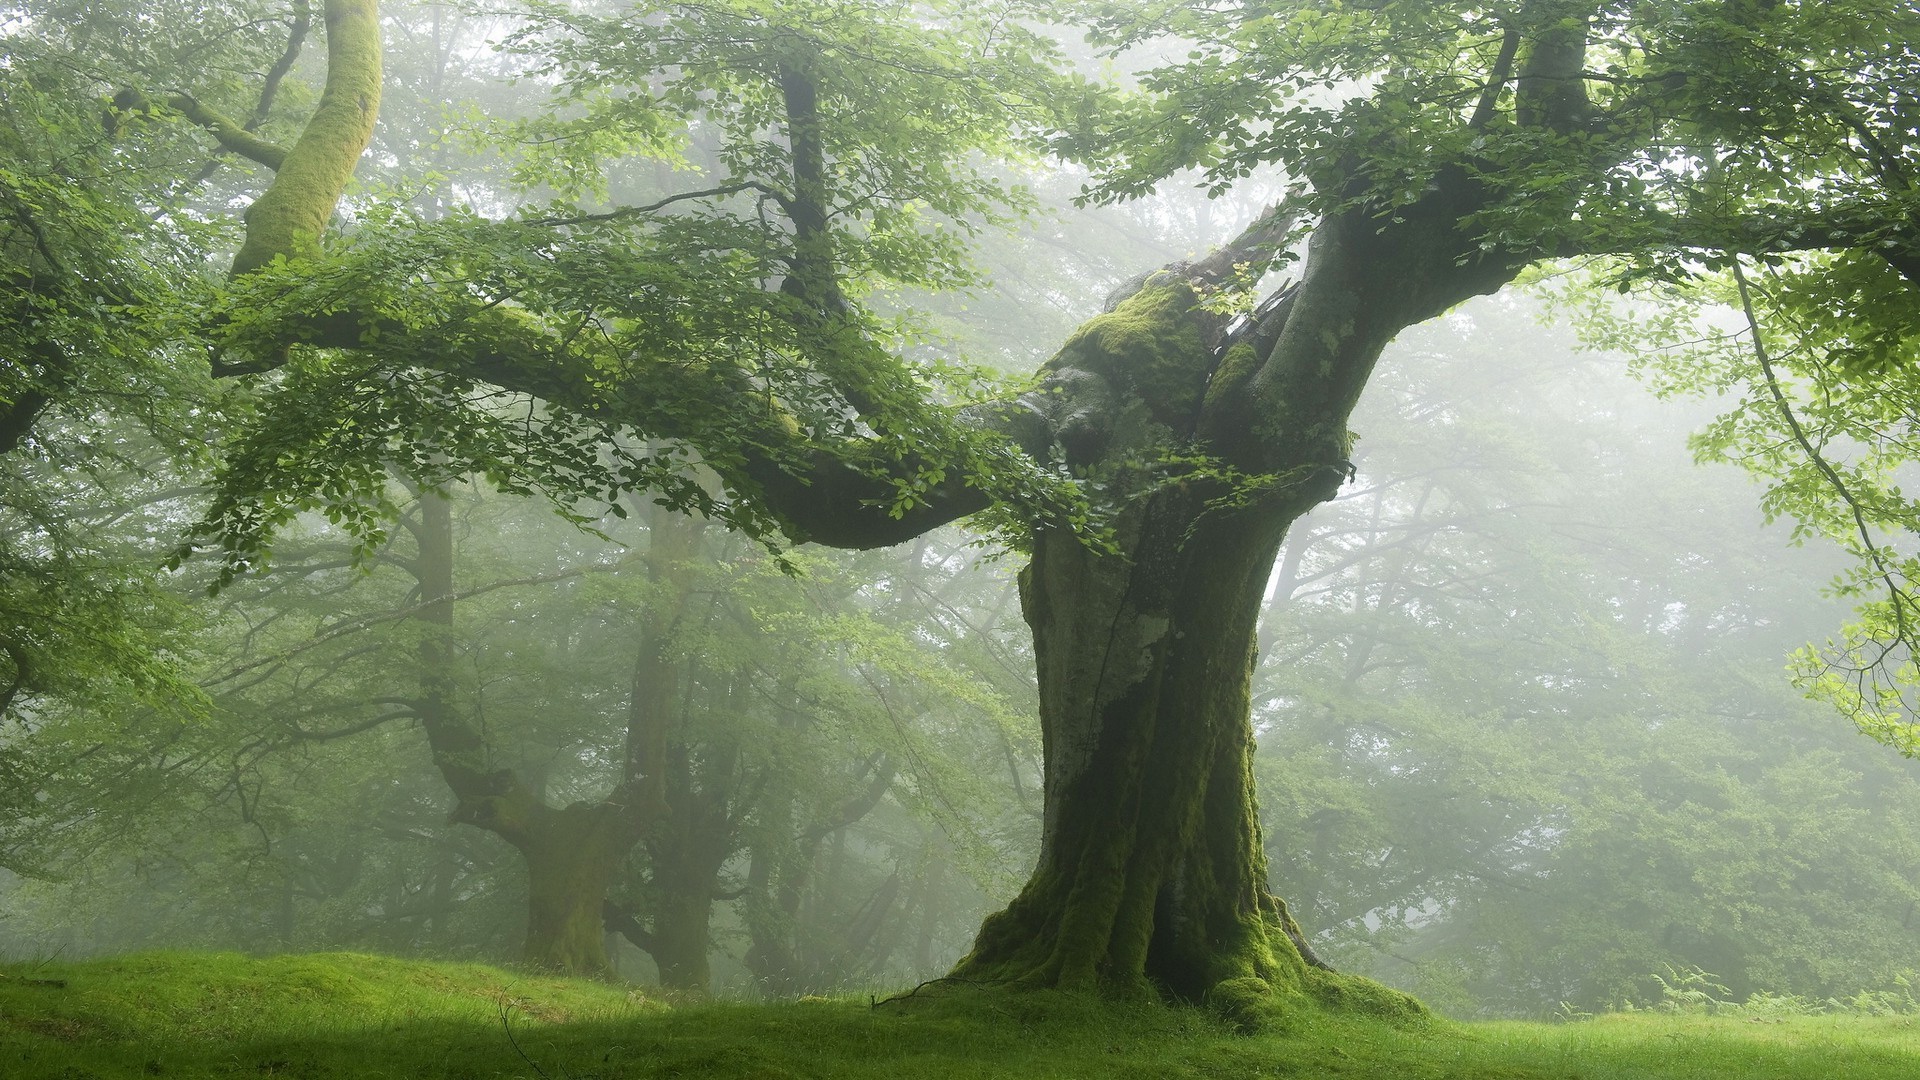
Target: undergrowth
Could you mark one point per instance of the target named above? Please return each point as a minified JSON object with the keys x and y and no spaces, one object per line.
{"x":1694,"y":991}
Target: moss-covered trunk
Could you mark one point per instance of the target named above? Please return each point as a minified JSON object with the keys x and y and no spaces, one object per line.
{"x":1151,"y":871}
{"x":572,"y":855}
{"x":1151,"y":874}
{"x":1209,"y":436}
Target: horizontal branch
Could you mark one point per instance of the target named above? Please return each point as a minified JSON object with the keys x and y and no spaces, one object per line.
{"x":299,"y":734}
{"x":353,"y":626}
{"x":1883,"y":230}
{"x":229,"y":133}
{"x":625,"y":212}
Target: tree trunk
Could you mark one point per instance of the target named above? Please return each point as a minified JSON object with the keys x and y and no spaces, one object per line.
{"x":682,"y":934}
{"x":1210,"y":437}
{"x":572,"y":855}
{"x":1151,"y":869}
{"x":686,"y":853}
{"x":776,"y":878}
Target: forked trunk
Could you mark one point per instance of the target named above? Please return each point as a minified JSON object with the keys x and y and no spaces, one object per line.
{"x":572,"y":853}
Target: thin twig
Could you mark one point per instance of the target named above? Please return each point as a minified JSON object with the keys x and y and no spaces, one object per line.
{"x":505,"y":1011}
{"x":924,"y":985}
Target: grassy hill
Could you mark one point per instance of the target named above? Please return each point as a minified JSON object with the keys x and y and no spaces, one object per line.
{"x":347,"y":1015}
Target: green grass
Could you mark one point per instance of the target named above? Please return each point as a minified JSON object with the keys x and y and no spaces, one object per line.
{"x":344,"y":1015}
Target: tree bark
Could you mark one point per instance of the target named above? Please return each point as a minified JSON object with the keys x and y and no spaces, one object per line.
{"x":683,"y":934}
{"x":685,"y":856}
{"x":1151,"y":872}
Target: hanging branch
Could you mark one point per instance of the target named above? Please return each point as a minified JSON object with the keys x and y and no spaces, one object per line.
{"x":1897,"y":598}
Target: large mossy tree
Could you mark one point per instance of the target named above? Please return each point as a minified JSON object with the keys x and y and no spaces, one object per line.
{"x":1436,"y":151}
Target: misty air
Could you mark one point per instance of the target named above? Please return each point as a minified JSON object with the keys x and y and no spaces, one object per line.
{"x":973,"y":538}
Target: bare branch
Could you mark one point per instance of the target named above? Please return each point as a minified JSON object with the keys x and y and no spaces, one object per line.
{"x":641,"y":211}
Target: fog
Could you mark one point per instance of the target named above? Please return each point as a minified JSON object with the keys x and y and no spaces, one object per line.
{"x":1529,"y":697}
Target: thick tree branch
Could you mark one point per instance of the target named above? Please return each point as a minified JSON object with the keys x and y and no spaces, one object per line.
{"x":818,"y":493}
{"x":1877,"y":228}
{"x":625,"y":212}
{"x":1483,"y":111}
{"x":857,"y":806}
{"x":622,"y":921}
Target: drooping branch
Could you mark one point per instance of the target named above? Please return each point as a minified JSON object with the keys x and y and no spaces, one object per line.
{"x":623,"y":922}
{"x":1898,"y":599}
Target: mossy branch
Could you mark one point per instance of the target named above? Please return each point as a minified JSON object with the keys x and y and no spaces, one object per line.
{"x":232,"y":136}
{"x":288,"y":220}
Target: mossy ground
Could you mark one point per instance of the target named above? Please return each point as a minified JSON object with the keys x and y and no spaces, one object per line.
{"x":200,"y":1015}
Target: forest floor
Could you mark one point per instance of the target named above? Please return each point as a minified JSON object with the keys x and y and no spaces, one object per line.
{"x":355,"y":1016}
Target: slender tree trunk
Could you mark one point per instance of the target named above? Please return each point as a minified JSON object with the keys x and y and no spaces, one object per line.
{"x":931,"y":903}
